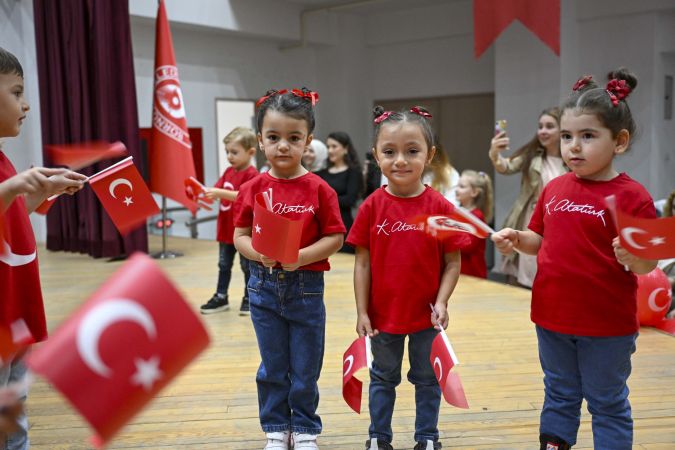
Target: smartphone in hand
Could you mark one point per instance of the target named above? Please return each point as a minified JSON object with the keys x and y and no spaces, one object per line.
{"x":500,"y":126}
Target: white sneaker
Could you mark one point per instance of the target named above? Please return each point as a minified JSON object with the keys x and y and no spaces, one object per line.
{"x":278,"y":440}
{"x":303,"y":441}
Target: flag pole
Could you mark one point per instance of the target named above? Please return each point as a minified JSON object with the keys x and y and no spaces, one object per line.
{"x":165,"y":254}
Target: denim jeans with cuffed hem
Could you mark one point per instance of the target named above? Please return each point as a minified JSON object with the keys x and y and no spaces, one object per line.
{"x":594,"y":368}
{"x":225,"y":262}
{"x":10,"y":373}
{"x":385,"y":375}
{"x":289,"y":318}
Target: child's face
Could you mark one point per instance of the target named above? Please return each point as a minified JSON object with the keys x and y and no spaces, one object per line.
{"x":238,"y":156}
{"x":13,"y":105}
{"x":402,"y":153}
{"x":588,"y":147}
{"x":284,"y":139}
{"x":466,"y":193}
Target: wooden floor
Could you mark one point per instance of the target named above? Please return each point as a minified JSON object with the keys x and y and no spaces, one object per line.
{"x":213,"y":405}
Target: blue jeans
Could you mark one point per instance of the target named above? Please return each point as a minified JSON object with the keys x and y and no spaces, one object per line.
{"x":225,"y":262}
{"x":15,"y":372}
{"x":594,"y":368}
{"x":386,"y":375}
{"x":289,"y":318}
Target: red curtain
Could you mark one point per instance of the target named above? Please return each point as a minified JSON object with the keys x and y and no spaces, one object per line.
{"x":87,"y":92}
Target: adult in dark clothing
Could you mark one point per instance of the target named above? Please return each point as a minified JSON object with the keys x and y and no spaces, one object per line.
{"x":344,"y":175}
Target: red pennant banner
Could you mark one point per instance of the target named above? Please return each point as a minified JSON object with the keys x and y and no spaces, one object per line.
{"x":124,"y":195}
{"x":357,"y":356}
{"x":14,"y":339}
{"x":197,"y":193}
{"x":273,"y":235}
{"x":491,"y":17}
{"x":644,"y":238}
{"x":77,"y":156}
{"x":170,"y":152}
{"x":126,"y":343}
{"x":443,"y":359}
{"x":459,"y":221}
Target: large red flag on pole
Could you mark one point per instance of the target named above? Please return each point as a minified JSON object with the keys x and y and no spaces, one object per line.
{"x":170,"y":147}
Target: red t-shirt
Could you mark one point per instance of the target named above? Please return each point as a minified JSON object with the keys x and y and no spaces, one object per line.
{"x":473,"y":255}
{"x":307,"y":197}
{"x":231,"y":179}
{"x":405,"y":263}
{"x":580,"y":288}
{"x":20,"y":293}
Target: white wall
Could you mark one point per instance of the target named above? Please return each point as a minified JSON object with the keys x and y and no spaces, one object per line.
{"x":17,"y":35}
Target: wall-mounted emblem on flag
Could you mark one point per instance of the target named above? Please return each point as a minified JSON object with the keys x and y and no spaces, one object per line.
{"x":197,"y":193}
{"x":126,"y":343}
{"x":443,"y":359}
{"x":77,"y":156}
{"x":273,"y":235}
{"x":13,"y":339}
{"x":459,"y":221}
{"x":644,"y":238}
{"x":124,"y":195}
{"x":357,"y":356}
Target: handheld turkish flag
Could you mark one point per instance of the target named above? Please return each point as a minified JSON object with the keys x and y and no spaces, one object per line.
{"x":124,"y":195}
{"x":170,"y":146}
{"x":443,"y":359}
{"x":272,"y":235}
{"x":197,"y":193}
{"x":644,"y":238}
{"x":2,"y":227}
{"x":44,"y":207}
{"x":14,"y":339}
{"x":128,"y":341}
{"x":356,"y":357}
{"x":459,"y":221}
{"x":77,"y":156}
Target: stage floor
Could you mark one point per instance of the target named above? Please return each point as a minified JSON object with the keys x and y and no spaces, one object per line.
{"x":213,"y":404}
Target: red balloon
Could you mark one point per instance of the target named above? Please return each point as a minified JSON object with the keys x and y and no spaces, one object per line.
{"x":653,"y":297}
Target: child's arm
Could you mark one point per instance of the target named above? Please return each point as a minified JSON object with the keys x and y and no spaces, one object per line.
{"x":219,"y":193}
{"x":39,"y":183}
{"x":635,"y":264}
{"x":242,"y":242}
{"x":362,"y":292}
{"x":508,"y":239}
{"x":319,"y":250}
{"x":453,"y":263}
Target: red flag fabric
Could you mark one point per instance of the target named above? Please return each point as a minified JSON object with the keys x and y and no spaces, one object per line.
{"x":128,"y":341}
{"x":443,"y":359}
{"x":2,"y":227}
{"x":644,"y":238}
{"x":170,"y":152}
{"x":196,"y":192}
{"x":77,"y":156}
{"x":667,"y":326}
{"x":273,"y":235}
{"x":43,"y":208}
{"x":459,"y":221}
{"x":124,"y":195}
{"x":14,"y":339}
{"x":491,"y":17}
{"x":356,"y":357}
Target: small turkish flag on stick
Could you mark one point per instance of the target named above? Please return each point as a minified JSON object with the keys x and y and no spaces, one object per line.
{"x":128,"y":341}
{"x":357,"y":356}
{"x":197,"y":193}
{"x":124,"y":195}
{"x":644,"y":238}
{"x":272,"y":235}
{"x":459,"y":221}
{"x":13,"y":339}
{"x":443,"y":359}
{"x":77,"y":156}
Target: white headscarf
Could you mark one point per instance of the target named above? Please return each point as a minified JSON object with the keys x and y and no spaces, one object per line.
{"x":320,"y":155}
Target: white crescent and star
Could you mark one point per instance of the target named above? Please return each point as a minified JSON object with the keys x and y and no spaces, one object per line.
{"x":437,"y":361}
{"x":98,"y":319}
{"x":258,"y":229}
{"x":12,"y":259}
{"x":349,"y":359}
{"x":627,"y":234}
{"x":442,"y":223}
{"x":651,"y":300}
{"x":127,"y":200}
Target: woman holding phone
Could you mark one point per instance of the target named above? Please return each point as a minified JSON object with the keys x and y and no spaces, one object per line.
{"x":538,"y":161}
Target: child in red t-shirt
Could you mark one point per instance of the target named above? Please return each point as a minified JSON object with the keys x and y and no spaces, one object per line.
{"x":584,"y":294}
{"x":286,"y":300}
{"x":21,"y":296}
{"x":474,"y":193}
{"x":400,"y":270}
{"x":240,"y":145}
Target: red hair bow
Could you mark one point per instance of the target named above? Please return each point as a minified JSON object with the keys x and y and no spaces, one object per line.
{"x":582,"y":82}
{"x":384,"y":116}
{"x":617,"y":90}
{"x":424,"y":114}
{"x":311,"y":95}
{"x":272,"y":94}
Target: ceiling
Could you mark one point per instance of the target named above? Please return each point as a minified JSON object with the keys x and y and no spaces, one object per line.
{"x":369,"y":6}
